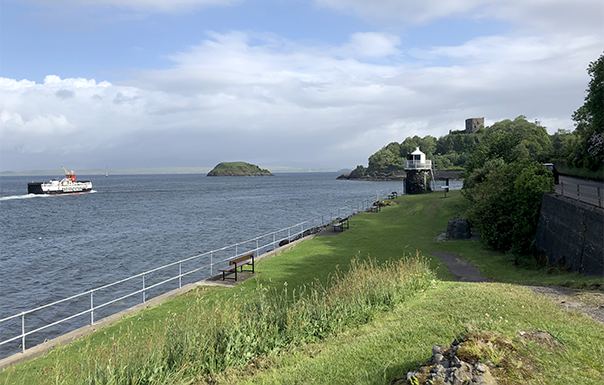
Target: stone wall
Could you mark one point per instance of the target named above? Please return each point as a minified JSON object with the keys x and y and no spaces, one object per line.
{"x":570,"y":235}
{"x":416,"y":182}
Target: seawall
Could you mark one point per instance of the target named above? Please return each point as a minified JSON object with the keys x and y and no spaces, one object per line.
{"x":570,"y":234}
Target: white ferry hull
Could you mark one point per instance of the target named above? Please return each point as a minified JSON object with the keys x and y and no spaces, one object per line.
{"x":57,"y":188}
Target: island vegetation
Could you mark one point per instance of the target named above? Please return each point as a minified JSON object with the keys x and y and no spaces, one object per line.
{"x":238,"y":169}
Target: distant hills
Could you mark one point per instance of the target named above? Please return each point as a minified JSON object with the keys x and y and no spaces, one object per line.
{"x":148,"y":171}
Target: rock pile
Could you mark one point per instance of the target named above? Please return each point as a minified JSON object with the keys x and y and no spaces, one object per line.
{"x":446,"y":368}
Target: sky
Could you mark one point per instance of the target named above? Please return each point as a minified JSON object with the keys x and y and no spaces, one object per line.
{"x":91,"y":84}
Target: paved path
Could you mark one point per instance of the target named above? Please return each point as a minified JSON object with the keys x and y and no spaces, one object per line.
{"x":590,"y":303}
{"x":461,"y":269}
{"x":584,"y":190}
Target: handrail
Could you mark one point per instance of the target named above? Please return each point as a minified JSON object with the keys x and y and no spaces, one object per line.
{"x":583,"y":193}
{"x":349,"y":210}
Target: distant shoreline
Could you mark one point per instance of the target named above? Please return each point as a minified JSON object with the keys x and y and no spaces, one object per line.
{"x":152,"y":171}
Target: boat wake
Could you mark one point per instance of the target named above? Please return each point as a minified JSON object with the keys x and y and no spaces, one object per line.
{"x":26,"y":196}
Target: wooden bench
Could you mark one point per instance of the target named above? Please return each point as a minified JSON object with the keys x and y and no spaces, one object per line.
{"x":341,"y":224}
{"x":247,"y":259}
{"x":375,"y":208}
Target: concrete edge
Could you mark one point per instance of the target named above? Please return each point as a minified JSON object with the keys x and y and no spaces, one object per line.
{"x":65,"y":339}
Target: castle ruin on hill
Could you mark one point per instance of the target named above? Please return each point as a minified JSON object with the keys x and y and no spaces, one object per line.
{"x":473,"y":125}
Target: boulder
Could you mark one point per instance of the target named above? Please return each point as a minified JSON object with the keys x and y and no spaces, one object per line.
{"x":458,"y":228}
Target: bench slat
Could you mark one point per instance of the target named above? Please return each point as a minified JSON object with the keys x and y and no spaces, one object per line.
{"x":247,"y":259}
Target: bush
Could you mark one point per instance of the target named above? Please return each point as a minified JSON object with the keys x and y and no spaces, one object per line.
{"x":506,"y":200}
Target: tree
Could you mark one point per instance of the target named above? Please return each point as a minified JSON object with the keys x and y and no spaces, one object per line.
{"x":512,"y":140}
{"x":563,"y":143}
{"x":385,"y":159}
{"x":506,"y":200}
{"x":427,"y":145}
{"x":589,"y":121}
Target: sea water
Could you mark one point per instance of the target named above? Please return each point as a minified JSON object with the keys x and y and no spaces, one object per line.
{"x":54,"y":247}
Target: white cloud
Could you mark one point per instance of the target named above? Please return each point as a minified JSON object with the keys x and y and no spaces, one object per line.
{"x":530,"y":14}
{"x":372,"y":44}
{"x":273,"y":101}
{"x":416,"y":12}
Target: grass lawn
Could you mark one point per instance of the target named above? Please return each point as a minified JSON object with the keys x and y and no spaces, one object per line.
{"x":396,"y":341}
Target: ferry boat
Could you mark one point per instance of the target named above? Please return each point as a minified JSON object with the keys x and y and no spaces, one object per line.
{"x":67,"y":185}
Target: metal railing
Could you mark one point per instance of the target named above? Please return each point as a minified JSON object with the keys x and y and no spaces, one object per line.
{"x":140,"y":286}
{"x":417,"y":164}
{"x":583,"y":193}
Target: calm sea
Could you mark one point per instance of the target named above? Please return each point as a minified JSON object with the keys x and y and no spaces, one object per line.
{"x":54,"y":247}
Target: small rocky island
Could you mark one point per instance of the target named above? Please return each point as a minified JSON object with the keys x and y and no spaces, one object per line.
{"x":238,"y":169}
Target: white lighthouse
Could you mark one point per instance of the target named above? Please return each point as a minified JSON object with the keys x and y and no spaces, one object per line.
{"x":416,"y":167}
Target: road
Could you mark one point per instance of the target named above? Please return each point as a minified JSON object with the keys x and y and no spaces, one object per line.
{"x":587,"y":191}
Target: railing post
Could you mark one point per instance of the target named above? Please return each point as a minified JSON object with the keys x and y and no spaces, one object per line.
{"x":257,"y":247}
{"x":143,"y":288}
{"x":599,"y":198}
{"x":23,"y":331}
{"x":180,"y":275}
{"x":578,"y":193}
{"x":211,"y":263}
{"x":91,"y":307}
{"x":562,"y":188}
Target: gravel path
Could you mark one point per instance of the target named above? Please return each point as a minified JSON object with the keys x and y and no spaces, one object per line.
{"x":589,"y":303}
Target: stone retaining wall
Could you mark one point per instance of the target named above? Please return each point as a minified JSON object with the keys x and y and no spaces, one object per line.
{"x":570,"y":235}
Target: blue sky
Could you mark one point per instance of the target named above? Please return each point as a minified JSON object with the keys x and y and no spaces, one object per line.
{"x":312,"y":84}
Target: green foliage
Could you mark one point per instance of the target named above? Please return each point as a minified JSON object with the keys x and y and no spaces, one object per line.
{"x":388,"y":158}
{"x":589,"y":120}
{"x":506,"y":200}
{"x":211,"y":337}
{"x":563,"y":143}
{"x":427,"y":145}
{"x":458,"y":142}
{"x":512,"y":140}
{"x":238,"y":169}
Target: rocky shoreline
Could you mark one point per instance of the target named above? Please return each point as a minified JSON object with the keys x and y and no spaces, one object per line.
{"x":396,"y":175}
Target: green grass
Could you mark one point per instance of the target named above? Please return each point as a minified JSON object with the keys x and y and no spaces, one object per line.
{"x":368,"y":353}
{"x":580,"y":172}
{"x":399,"y":341}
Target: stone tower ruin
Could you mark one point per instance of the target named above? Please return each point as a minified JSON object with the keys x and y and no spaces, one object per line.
{"x":473,"y":125}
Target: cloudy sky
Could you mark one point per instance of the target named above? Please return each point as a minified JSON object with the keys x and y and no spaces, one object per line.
{"x":297,"y":83}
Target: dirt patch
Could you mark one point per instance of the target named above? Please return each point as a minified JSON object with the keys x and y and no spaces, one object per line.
{"x":587,"y":302}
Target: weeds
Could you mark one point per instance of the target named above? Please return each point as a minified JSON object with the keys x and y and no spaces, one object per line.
{"x":211,"y":337}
